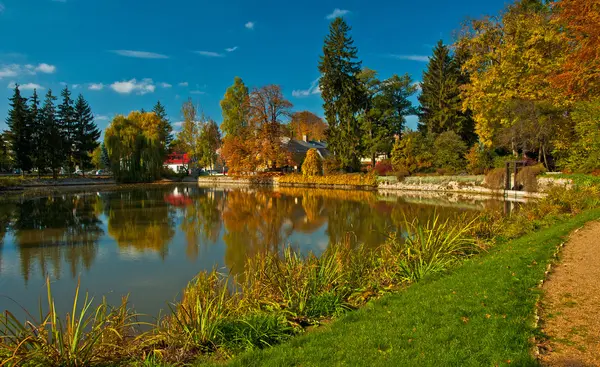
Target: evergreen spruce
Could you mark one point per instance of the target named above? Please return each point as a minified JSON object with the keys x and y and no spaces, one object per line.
{"x":165,"y":125}
{"x":68,"y":128}
{"x":19,"y":136}
{"x":441,"y":104}
{"x":105,"y":158}
{"x":86,"y":134}
{"x":52,"y":140}
{"x":342,"y":94}
{"x":38,"y":154}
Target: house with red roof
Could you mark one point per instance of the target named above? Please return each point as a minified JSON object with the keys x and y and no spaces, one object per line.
{"x":177,"y":162}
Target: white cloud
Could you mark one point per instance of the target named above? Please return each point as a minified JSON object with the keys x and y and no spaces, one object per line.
{"x":314,"y":89}
{"x":101,"y":117}
{"x":45,"y":68}
{"x":209,"y":53}
{"x":418,"y":85}
{"x":419,"y":58}
{"x":141,"y":87}
{"x":183,"y":84}
{"x":76,"y":86}
{"x":96,"y":86}
{"x":178,"y":123}
{"x":197,"y":92}
{"x":337,"y":13}
{"x":2,"y":8}
{"x":13,"y":70}
{"x":231,"y":49}
{"x":64,"y":84}
{"x":165,"y":85}
{"x":26,"y":86}
{"x":249,"y":25}
{"x":140,"y":54}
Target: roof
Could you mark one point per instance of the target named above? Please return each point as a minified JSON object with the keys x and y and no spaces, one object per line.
{"x":177,"y":159}
{"x":299,"y":148}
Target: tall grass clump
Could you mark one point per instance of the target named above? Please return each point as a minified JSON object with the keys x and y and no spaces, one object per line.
{"x":434,"y":247}
{"x":86,"y":336}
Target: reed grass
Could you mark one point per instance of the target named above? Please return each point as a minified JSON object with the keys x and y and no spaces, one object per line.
{"x":86,"y":336}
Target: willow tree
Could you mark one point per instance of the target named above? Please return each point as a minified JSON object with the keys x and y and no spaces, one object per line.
{"x":135,"y":147}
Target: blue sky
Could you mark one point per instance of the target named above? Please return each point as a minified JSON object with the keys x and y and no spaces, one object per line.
{"x":124,"y":55}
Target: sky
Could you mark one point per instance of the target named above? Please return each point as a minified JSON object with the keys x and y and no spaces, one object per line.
{"x":125,"y":55}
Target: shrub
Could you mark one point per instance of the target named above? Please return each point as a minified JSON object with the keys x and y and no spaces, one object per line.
{"x":382,"y":168}
{"x":527,"y":177}
{"x":350,"y":179}
{"x":449,"y":152}
{"x":401,"y":174}
{"x":479,"y":159}
{"x":583,"y":155}
{"x":312,"y":165}
{"x":412,"y":152}
{"x":331,"y":166}
{"x":495,"y":179}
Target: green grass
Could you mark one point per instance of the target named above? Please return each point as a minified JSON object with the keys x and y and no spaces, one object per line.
{"x":482,"y":314}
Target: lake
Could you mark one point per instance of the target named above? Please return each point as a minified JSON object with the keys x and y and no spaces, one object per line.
{"x":149,"y":241}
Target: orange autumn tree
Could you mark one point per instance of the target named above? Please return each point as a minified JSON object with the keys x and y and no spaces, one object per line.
{"x":268,"y":110}
{"x":579,"y":76}
{"x":307,"y":123}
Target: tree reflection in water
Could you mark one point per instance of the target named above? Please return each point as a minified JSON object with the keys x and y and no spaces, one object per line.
{"x":50,"y":230}
{"x":140,"y":220}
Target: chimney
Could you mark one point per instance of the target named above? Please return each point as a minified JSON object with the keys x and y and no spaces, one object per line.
{"x":305,"y":138}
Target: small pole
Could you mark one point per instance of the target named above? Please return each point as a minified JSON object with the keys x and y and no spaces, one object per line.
{"x":507,"y":178}
{"x":515,"y":178}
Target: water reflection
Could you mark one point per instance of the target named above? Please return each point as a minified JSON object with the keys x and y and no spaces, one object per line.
{"x":149,"y":241}
{"x":139,"y":221}
{"x":48,"y":229}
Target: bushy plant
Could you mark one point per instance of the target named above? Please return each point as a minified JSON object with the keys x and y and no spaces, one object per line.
{"x":312,"y":165}
{"x":332,"y":166}
{"x":527,"y":177}
{"x":583,"y":155}
{"x":413,"y":152}
{"x":349,"y":179}
{"x":495,"y":179}
{"x":383,"y":168}
{"x":449,"y":152}
{"x":479,"y":159}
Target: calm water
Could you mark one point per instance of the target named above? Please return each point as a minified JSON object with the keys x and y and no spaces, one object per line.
{"x":149,"y":242}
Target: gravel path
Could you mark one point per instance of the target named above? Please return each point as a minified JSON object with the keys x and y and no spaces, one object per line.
{"x":570,"y":313}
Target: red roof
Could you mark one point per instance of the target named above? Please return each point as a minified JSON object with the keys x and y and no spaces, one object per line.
{"x":177,"y":159}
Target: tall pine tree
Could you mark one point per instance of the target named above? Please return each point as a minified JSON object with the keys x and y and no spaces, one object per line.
{"x":38,"y":153}
{"x":165,"y":125}
{"x":68,"y":128}
{"x":342,"y":94}
{"x":441,"y":104}
{"x":52,"y":140}
{"x":86,"y":134}
{"x":19,"y":137}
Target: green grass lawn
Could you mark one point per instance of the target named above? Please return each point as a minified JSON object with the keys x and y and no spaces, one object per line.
{"x":482,"y":314}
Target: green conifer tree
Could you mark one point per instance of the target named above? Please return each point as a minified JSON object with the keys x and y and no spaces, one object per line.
{"x":441,"y":104}
{"x":235,"y":107}
{"x":19,"y":131}
{"x":68,"y":128}
{"x":165,"y":125}
{"x":52,"y":139}
{"x":38,"y":153}
{"x":342,"y":93}
{"x":86,"y":133}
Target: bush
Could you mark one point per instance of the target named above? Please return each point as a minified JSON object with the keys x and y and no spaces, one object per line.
{"x":332,"y":166}
{"x":401,"y":174}
{"x":350,"y":179}
{"x":449,"y":152}
{"x":412,"y":152}
{"x":495,"y":179}
{"x":312,"y":165}
{"x":527,"y":177}
{"x":382,"y":168}
{"x":479,"y":159}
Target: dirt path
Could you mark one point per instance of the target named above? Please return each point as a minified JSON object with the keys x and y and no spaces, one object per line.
{"x":570,"y":313}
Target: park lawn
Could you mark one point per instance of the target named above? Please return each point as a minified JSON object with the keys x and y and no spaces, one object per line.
{"x":481,"y":314}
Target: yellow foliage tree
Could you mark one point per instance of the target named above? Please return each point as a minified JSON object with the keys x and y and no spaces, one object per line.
{"x":312,"y":165}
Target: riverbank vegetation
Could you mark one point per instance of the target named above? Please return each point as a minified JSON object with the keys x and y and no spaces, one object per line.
{"x":283,"y":294}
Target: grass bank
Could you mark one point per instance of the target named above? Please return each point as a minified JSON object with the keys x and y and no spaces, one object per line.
{"x":480,"y":315}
